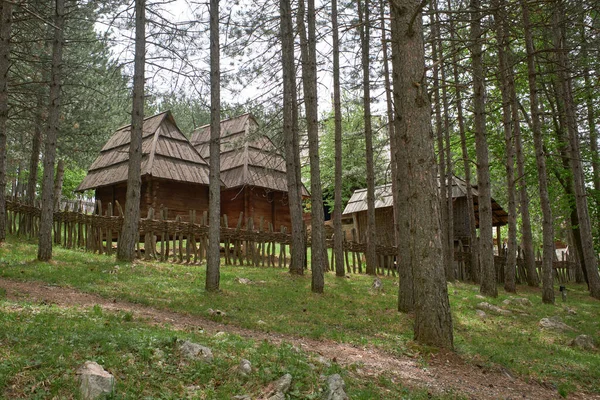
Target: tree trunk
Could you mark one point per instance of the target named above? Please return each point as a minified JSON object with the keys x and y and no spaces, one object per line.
{"x":439,"y":132}
{"x":473,"y":242}
{"x":34,"y":159}
{"x":403,"y":306}
{"x":506,"y":82}
{"x":290,"y":135}
{"x":565,"y":95}
{"x":433,"y":321}
{"x":484,"y":201}
{"x":5,"y":29}
{"x":591,"y":121}
{"x":365,"y":37}
{"x":337,"y":111}
{"x":547,"y":223}
{"x":129,"y":234}
{"x":406,"y":290}
{"x":47,"y":211}
{"x":309,"y":80}
{"x":214,"y":207}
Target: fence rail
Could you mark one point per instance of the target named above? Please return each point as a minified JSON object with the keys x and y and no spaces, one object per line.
{"x":185,"y":239}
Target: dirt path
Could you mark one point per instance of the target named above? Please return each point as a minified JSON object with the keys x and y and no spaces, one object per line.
{"x":445,"y":372}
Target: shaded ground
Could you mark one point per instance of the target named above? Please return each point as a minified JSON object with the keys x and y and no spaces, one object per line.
{"x":444,"y":372}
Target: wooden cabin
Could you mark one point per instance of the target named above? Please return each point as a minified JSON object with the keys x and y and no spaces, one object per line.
{"x":173,"y":174}
{"x":356,"y":210}
{"x":253,"y":172}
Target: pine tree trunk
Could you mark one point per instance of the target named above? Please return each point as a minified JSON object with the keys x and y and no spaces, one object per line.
{"x":591,"y":121}
{"x":5,"y":29}
{"x":565,"y":96}
{"x":129,"y":233}
{"x":505,"y":80}
{"x":473,"y":242}
{"x":547,"y":223}
{"x":47,"y":211}
{"x":309,"y":80}
{"x":290,"y":135}
{"x":213,"y":261}
{"x":433,"y":322}
{"x":34,"y":159}
{"x":439,"y":131}
{"x":392,"y":138}
{"x":364,"y":30}
{"x":337,"y":111}
{"x":484,"y":201}
{"x":58,"y":183}
{"x":406,"y":290}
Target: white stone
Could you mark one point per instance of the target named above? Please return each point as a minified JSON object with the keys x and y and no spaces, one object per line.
{"x":195,"y":351}
{"x":94,"y":381}
{"x":583,"y":342}
{"x":245,"y":367}
{"x":554,"y":323}
{"x":492,"y":308}
{"x":336,"y":388}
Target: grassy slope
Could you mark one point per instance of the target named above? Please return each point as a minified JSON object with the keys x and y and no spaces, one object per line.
{"x":349,"y":311}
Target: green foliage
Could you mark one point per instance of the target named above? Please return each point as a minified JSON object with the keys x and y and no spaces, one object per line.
{"x":354,"y":174}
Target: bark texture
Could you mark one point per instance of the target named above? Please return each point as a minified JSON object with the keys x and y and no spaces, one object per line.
{"x":214,"y":197}
{"x":365,"y":37}
{"x":337,"y":112}
{"x":433,"y":322}
{"x":5,"y":29}
{"x":47,"y":211}
{"x":486,"y":232}
{"x":291,"y":139}
{"x":129,"y":233}
{"x":308,"y":42}
{"x":565,"y":95}
{"x":540,"y":158}
{"x":506,"y":83}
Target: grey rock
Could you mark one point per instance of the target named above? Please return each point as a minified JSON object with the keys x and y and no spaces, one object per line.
{"x":492,"y":308}
{"x":377,"y":284}
{"x":283,"y":384}
{"x":519,"y":301}
{"x":481,"y":314}
{"x":242,"y":397}
{"x":554,"y":323}
{"x":480,"y":297}
{"x":336,"y":388}
{"x":195,"y":351}
{"x":94,"y":381}
{"x":244,"y":281}
{"x":583,"y":342}
{"x":245,"y":367}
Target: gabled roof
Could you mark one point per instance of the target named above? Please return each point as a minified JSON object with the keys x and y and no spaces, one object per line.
{"x":166,"y":154}
{"x":247,"y":157}
{"x":383,"y":198}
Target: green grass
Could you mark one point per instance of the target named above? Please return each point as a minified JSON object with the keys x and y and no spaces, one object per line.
{"x":348,"y":311}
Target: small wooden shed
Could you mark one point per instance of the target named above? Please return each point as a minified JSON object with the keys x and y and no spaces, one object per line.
{"x":384,"y":215}
{"x":173,"y":174}
{"x":253,"y":171}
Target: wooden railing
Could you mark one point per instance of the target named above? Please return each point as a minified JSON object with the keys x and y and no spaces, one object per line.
{"x":185,"y":239}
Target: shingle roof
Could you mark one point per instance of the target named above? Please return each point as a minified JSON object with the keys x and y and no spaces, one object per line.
{"x":247,"y":157}
{"x":383,"y":198}
{"x":166,"y":154}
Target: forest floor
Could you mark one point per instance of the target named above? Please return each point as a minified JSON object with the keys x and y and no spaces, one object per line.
{"x":443,"y":373}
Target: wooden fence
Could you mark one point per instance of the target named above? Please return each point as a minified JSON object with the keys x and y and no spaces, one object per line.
{"x":185,"y":239}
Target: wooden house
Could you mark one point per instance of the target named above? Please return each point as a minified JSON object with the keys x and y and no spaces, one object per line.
{"x":356,"y":209}
{"x":173,"y":174}
{"x":253,"y":172}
